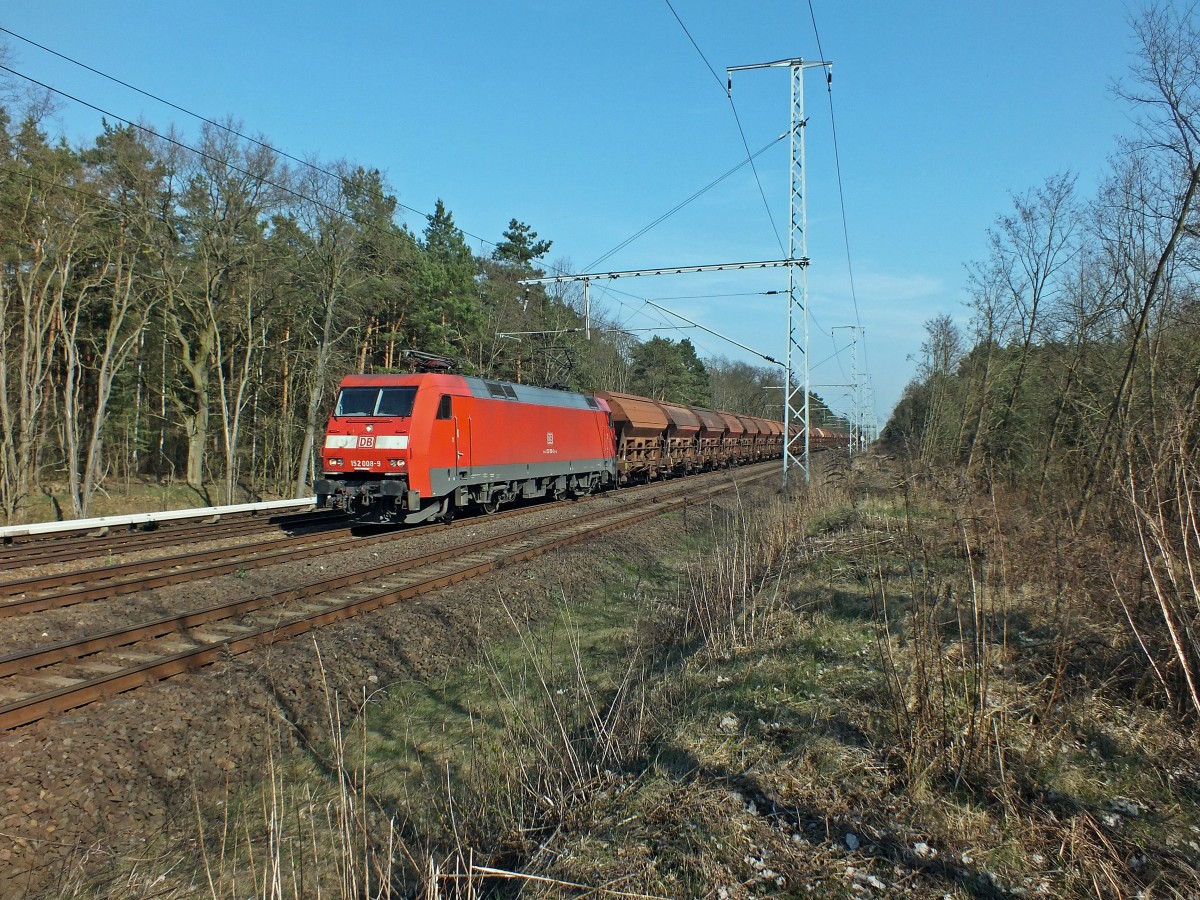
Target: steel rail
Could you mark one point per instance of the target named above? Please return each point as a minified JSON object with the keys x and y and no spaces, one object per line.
{"x":73,"y":649}
{"x":38,"y":657}
{"x":190,"y":566}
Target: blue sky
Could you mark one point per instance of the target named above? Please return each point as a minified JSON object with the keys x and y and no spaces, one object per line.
{"x":588,"y":121}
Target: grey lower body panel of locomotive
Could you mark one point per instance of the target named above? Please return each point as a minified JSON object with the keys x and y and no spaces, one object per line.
{"x":374,"y":499}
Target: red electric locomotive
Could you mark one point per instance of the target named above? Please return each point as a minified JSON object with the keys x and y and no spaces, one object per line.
{"x":412,"y":448}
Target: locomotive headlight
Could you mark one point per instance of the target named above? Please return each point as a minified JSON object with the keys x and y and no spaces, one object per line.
{"x":335,"y":462}
{"x":396,"y":463}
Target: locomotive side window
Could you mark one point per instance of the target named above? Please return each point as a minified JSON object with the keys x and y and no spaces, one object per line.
{"x":500,"y":391}
{"x":445,"y":409}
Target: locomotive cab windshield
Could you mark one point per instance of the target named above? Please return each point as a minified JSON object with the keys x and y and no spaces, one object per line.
{"x":375,"y":401}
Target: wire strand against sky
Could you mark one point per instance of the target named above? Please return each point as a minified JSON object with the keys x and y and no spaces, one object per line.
{"x":195,"y":115}
{"x":657,"y":314}
{"x":836,"y":156}
{"x":837,"y":162}
{"x":178,"y":143}
{"x":720,"y":296}
{"x":745,"y":143}
{"x":227,"y":129}
{"x":292,"y":192}
{"x":629,"y":240}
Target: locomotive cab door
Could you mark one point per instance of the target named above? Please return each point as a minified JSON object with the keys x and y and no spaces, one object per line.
{"x":462,"y":441}
{"x":458,"y":430}
{"x":444,"y":448}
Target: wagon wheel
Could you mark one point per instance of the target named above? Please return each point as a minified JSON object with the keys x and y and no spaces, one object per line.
{"x":490,"y":506}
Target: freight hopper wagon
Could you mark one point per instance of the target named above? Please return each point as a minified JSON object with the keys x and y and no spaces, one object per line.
{"x":639,"y":426}
{"x":658,"y":439}
{"x":827,"y":439}
{"x":413,"y":448}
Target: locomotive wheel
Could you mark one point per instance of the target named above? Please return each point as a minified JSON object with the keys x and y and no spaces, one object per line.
{"x":490,"y":506}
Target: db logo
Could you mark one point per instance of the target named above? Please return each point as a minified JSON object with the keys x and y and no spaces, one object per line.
{"x":550,"y":437}
{"x":366,"y":440}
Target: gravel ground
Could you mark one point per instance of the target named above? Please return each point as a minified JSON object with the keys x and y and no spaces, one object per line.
{"x":109,"y":780}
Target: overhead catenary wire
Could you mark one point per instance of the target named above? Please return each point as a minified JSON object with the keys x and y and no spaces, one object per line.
{"x":300,"y":195}
{"x":720,"y":296}
{"x":226,"y":128}
{"x":841,"y":192}
{"x":184,"y":146}
{"x":308,"y":163}
{"x":666,"y":326}
{"x":629,"y":240}
{"x":837,"y":164}
{"x":836,"y":154}
{"x":741,"y":131}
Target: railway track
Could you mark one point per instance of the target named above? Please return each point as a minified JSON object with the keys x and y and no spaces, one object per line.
{"x":42,"y":681}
